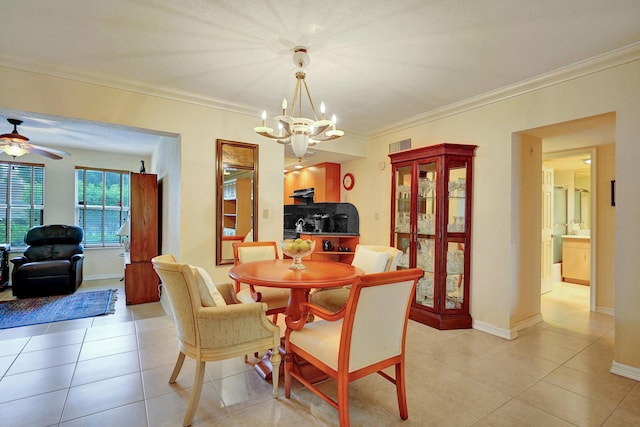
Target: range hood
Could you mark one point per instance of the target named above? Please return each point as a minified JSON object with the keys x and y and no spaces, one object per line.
{"x":304,"y":193}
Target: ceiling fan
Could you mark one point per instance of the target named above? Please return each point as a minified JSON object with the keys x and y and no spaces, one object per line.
{"x":16,"y":145}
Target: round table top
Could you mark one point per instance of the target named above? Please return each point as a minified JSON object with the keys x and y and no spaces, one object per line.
{"x":276,"y":273}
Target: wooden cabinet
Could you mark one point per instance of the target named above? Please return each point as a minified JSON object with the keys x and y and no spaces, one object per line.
{"x":237,"y":207}
{"x":431,"y":225}
{"x":576,"y":259}
{"x":346,"y":241}
{"x":324,"y":178}
{"x":140,"y":280}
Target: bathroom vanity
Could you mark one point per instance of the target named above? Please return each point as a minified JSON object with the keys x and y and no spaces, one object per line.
{"x":576,"y":259}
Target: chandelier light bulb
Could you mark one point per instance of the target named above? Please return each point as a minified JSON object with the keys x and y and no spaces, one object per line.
{"x":333,"y":133}
{"x":263,"y":129}
{"x":299,"y":144}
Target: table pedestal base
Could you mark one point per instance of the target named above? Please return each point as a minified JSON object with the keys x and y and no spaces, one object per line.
{"x":300,"y":366}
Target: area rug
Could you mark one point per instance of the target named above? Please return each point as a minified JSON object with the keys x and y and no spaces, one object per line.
{"x":34,"y":311}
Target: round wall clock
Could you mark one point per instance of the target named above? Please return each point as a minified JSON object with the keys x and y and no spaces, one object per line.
{"x":348,"y":181}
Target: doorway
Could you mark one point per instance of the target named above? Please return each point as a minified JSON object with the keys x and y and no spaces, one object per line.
{"x":572,"y":213}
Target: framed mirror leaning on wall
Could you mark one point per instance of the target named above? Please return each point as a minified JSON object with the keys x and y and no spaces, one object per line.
{"x":237,"y":190}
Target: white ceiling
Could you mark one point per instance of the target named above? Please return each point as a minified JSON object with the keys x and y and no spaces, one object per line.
{"x":374,"y":63}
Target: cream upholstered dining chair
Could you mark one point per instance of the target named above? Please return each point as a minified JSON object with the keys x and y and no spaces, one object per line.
{"x":275,"y":298}
{"x":366,"y":337}
{"x":371,"y":259}
{"x":210,"y":329}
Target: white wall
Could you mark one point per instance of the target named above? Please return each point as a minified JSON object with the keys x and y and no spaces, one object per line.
{"x":166,"y":164}
{"x":59,"y":201}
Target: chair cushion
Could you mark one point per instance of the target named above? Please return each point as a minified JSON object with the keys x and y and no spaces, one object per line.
{"x":47,"y":234}
{"x":60,"y":267}
{"x":209,"y":294}
{"x":332,"y":299}
{"x":370,"y":261}
{"x":39,"y":253}
{"x":273,"y":297}
{"x":320,"y":338}
{"x":52,"y":251}
{"x":256,"y":253}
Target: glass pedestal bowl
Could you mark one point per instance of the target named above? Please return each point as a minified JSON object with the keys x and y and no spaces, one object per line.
{"x":297,"y":249}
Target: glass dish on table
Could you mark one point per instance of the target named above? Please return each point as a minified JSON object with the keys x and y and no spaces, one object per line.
{"x":297,"y":249}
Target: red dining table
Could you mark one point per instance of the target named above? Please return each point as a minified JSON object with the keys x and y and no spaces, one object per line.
{"x":276,"y":274}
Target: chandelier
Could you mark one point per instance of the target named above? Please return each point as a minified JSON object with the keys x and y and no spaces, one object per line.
{"x":299,"y":131}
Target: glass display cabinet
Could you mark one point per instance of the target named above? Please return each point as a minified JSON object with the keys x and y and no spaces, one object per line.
{"x":431,"y":225}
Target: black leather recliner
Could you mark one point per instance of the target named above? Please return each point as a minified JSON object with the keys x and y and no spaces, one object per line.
{"x":51,"y":264}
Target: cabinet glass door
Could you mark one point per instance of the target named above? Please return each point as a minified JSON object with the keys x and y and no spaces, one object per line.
{"x":426,"y":261}
{"x":457,"y":197}
{"x":402,"y":226}
{"x":426,"y":226}
{"x":426,"y":198}
{"x":455,"y":276}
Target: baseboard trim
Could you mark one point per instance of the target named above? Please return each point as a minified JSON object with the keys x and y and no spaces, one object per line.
{"x":527,"y":323}
{"x":103,"y":276}
{"x":606,"y":310}
{"x":625,"y":370}
{"x":508,"y":334}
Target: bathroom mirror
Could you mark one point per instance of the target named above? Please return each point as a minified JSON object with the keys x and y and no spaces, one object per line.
{"x":237,"y":189}
{"x":582,"y":199}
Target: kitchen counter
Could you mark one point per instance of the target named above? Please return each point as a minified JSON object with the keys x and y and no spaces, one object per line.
{"x":291,"y":234}
{"x":321,"y":233}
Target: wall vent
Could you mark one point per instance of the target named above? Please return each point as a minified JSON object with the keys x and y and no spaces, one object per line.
{"x":400,"y":145}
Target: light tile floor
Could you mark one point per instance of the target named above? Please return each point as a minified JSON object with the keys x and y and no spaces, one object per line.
{"x":113,"y":371}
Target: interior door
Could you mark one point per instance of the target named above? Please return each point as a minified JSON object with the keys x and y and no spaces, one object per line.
{"x":547,"y":231}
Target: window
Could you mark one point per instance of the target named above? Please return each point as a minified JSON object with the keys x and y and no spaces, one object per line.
{"x":102,"y":204}
{"x":21,"y":201}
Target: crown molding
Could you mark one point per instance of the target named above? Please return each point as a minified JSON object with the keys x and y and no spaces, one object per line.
{"x":574,"y":71}
{"x":120,"y":83}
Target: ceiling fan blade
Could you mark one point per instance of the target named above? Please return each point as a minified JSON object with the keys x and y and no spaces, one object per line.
{"x":51,"y":153}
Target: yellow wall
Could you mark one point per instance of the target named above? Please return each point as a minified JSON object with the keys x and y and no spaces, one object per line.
{"x":526,"y":230}
{"x":496,"y":267}
{"x":495,"y":260}
{"x":605,"y":235}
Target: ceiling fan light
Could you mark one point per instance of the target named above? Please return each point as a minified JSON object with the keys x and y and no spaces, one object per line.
{"x":14,"y":150}
{"x":16,"y":145}
{"x":13,"y":137}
